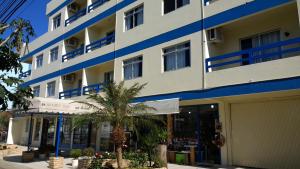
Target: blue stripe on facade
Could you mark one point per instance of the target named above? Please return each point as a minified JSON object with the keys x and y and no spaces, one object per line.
{"x":59,"y":7}
{"x":81,"y":27}
{"x":233,"y":90}
{"x":171,"y":35}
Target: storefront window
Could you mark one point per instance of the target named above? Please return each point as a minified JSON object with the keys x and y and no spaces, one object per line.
{"x":66,"y":131}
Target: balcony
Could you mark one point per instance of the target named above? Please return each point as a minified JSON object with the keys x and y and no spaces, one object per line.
{"x":25,"y":74}
{"x":70,"y":55}
{"x":70,"y":93}
{"x":101,"y":42}
{"x":76,"y":16}
{"x":95,"y":88}
{"x":96,"y":4}
{"x":75,"y":10}
{"x":274,"y":51}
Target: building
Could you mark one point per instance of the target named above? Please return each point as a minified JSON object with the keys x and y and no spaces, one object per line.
{"x":232,"y":64}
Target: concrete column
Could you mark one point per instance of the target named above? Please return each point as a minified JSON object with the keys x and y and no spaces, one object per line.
{"x":205,"y":49}
{"x":224,"y":112}
{"x":9,"y":133}
{"x":98,"y":138}
{"x":84,"y":78}
{"x":87,"y":37}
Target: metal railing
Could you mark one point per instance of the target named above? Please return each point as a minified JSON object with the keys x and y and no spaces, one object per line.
{"x":25,"y":74}
{"x":264,"y":53}
{"x":76,"y":16}
{"x":101,"y":42}
{"x":70,"y":93}
{"x":73,"y":54}
{"x":96,"y":4}
{"x":95,"y":88}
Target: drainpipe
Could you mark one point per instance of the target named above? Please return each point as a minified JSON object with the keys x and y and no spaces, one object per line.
{"x":203,"y":43}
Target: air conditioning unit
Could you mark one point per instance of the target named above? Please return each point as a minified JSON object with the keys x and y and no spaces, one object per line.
{"x":214,"y":35}
{"x":69,"y":77}
{"x":73,"y":7}
{"x":72,"y":42}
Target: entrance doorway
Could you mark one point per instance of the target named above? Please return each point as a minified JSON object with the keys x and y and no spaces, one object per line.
{"x":193,"y":136}
{"x":44,"y":133}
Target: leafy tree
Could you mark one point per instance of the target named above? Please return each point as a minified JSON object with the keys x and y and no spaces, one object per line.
{"x":115,"y":106}
{"x":10,"y":90}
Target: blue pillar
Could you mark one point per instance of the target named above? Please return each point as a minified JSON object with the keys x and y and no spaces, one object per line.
{"x":57,"y":138}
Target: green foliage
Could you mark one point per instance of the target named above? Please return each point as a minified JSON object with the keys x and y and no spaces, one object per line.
{"x":89,"y":152}
{"x":4,"y":120}
{"x":108,"y":155}
{"x":96,"y":163}
{"x":75,"y":153}
{"x":10,"y":89}
{"x":137,"y":159}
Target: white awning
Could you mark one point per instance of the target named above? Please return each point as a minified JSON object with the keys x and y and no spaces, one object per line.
{"x":48,"y":105}
{"x":51,"y":105}
{"x":167,"y":106}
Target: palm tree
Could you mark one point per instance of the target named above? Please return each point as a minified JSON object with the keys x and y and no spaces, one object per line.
{"x":115,"y":106}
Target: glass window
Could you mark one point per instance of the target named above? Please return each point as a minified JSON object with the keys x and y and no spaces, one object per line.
{"x":51,"y":89}
{"x":133,"y":68}
{"x":39,"y":61}
{"x":54,"y":54}
{"x":56,"y":21}
{"x":177,"y":57}
{"x":171,"y":5}
{"x":80,"y":134}
{"x":37,"y":130}
{"x":108,"y":77}
{"x":134,"y":17}
{"x":36,"y":91}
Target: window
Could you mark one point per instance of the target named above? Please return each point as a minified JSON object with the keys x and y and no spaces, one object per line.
{"x":134,"y":17}
{"x":51,"y":89}
{"x":39,"y":61}
{"x":37,"y":130}
{"x":133,"y":68}
{"x":171,"y":5}
{"x":54,"y":54}
{"x":56,"y":21}
{"x":36,"y":91}
{"x":108,"y":77}
{"x":177,"y":57}
{"x":261,"y":40}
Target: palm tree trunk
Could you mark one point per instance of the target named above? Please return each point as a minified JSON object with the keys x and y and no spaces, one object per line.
{"x":119,"y":157}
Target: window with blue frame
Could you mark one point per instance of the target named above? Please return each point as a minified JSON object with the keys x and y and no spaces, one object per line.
{"x":51,"y":89}
{"x":133,"y":68}
{"x":39,"y":61}
{"x":177,"y":57}
{"x":172,"y":5}
{"x":54,"y":54}
{"x":36,"y":91}
{"x":134,"y":17}
{"x":56,"y":21}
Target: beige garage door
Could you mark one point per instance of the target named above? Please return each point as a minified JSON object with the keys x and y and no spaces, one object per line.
{"x":266,"y":134}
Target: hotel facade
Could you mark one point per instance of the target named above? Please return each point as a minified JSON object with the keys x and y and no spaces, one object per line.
{"x":230,"y":67}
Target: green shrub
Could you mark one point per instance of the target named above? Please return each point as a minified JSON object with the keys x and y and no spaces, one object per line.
{"x":108,"y":155}
{"x":75,"y":153}
{"x":96,"y":163}
{"x":89,"y":152}
{"x":137,"y":160}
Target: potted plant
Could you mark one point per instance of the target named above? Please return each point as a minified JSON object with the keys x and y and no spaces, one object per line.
{"x":161,"y":152}
{"x":85,"y":161}
{"x":27,"y":156}
{"x":42,"y":153}
{"x":75,"y":154}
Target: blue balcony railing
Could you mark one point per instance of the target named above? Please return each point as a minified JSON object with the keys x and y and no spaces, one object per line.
{"x":73,"y":54}
{"x":277,"y":50}
{"x":101,"y":42}
{"x":25,"y":74}
{"x":96,"y":88}
{"x":74,"y":17}
{"x":96,"y":4}
{"x":70,"y":93}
